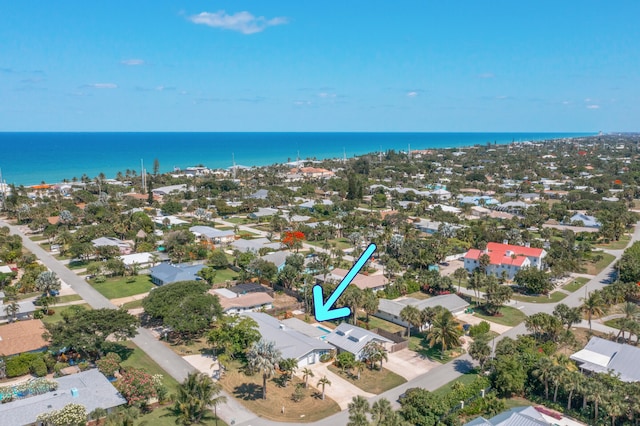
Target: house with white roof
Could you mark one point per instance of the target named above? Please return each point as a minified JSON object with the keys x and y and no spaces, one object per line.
{"x":254,"y":245}
{"x":122,"y":246}
{"x":166,"y":190}
{"x":351,"y":338}
{"x":605,"y":356}
{"x":213,"y":235}
{"x":587,"y":220}
{"x":291,"y":343}
{"x":523,"y":416}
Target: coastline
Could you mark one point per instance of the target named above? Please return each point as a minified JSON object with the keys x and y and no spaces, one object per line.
{"x":33,"y":158}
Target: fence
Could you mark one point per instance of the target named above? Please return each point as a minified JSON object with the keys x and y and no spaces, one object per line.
{"x":399,"y":342}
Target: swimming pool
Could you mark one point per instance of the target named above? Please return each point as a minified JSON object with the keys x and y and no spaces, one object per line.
{"x":323,"y":329}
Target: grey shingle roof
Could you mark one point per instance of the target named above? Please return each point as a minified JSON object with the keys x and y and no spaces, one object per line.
{"x":168,"y":273}
{"x":304,"y":328}
{"x":94,"y":391}
{"x":452,"y":302}
{"x":291,"y":343}
{"x":352,"y":339}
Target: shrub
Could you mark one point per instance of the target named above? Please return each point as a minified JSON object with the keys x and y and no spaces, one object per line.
{"x":38,"y":314}
{"x":18,"y":365}
{"x":298,"y":394}
{"x":100,"y":279}
{"x":109,"y":364}
{"x":137,"y":386}
{"x":38,"y":368}
{"x":477,"y":330}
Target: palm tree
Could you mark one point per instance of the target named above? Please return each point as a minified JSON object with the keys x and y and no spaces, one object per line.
{"x":288,"y":366}
{"x":306,"y":373}
{"x":12,"y":309}
{"x":444,"y":332}
{"x":428,"y":314}
{"x":358,"y":409}
{"x":460,"y":274}
{"x":369,"y":302}
{"x":195,"y":396}
{"x":480,"y":351}
{"x":411,"y":315}
{"x":374,"y":352}
{"x":543,"y":372}
{"x":597,"y":393}
{"x":381,"y":412}
{"x":263,"y":357}
{"x":358,"y":366}
{"x":324,"y":382}
{"x":47,"y":281}
{"x":572,"y":382}
{"x":593,"y":306}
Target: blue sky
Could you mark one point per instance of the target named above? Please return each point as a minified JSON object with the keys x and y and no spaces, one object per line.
{"x":172,"y":65}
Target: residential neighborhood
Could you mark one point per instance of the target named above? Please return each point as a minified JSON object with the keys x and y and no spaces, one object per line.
{"x":497,"y":295}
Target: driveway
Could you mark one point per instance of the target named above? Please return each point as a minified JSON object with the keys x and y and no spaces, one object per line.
{"x":473,"y":320}
{"x":409,"y":364}
{"x":341,"y":391}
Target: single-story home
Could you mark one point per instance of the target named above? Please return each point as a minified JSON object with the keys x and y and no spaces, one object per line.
{"x":213,"y":235}
{"x":254,"y":245}
{"x":587,"y":220}
{"x":602,"y":356}
{"x":141,"y":259}
{"x":263,"y":212}
{"x":122,"y":246}
{"x":26,"y":308}
{"x":390,"y":309}
{"x":166,"y":273}
{"x":168,"y":220}
{"x":260,"y":194}
{"x":89,"y":388}
{"x":291,"y":343}
{"x":518,"y":416}
{"x":245,"y":288}
{"x":165,"y":190}
{"x":278,"y":258}
{"x":22,"y":336}
{"x":351,"y":338}
{"x":375,"y":282}
{"x":235,"y":303}
{"x":309,"y":205}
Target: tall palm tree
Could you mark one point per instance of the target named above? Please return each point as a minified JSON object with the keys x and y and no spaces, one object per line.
{"x":428,"y":314}
{"x":369,"y":302}
{"x":597,"y":393}
{"x":460,"y":274}
{"x":263,"y":357}
{"x":358,"y":366}
{"x":358,"y":409}
{"x":324,"y":382}
{"x":543,"y":371}
{"x":411,"y":315}
{"x":195,"y":397}
{"x":593,"y":306}
{"x":614,"y":405}
{"x":572,"y":382}
{"x":444,"y":332}
{"x":306,"y":373}
{"x":288,"y":366}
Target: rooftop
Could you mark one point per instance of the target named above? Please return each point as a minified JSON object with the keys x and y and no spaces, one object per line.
{"x":22,"y":336}
{"x":352,"y":338}
{"x":602,"y":356}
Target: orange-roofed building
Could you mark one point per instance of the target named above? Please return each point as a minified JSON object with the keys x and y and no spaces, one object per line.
{"x":505,"y":258}
{"x":314,"y":172}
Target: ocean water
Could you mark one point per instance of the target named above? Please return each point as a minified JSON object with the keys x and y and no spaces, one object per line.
{"x":31,"y":158}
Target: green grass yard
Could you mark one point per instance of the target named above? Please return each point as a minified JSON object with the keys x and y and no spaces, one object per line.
{"x":373,"y":381}
{"x":223,"y":275}
{"x":616,"y":245}
{"x":594,"y":268}
{"x":576,"y":284}
{"x":465,"y":379}
{"x":508,"y":316}
{"x":57,"y":316}
{"x":418,"y":343}
{"x":68,"y":298}
{"x":117,"y":287}
{"x":554,"y":297}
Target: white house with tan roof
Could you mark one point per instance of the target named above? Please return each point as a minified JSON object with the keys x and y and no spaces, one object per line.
{"x":375,"y":282}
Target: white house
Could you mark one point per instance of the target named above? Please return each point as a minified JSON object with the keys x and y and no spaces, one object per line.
{"x":351,"y":338}
{"x":235,"y":303}
{"x":390,"y":309}
{"x":505,"y":257}
{"x":213,"y":235}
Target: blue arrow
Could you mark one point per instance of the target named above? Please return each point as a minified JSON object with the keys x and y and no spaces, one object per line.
{"x":323,"y":311}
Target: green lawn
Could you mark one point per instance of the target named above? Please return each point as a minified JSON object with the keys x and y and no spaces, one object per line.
{"x":78,"y":264}
{"x":223,"y":275}
{"x":375,"y":322}
{"x":553,"y":298}
{"x":576,"y":284}
{"x":418,"y":343}
{"x":68,"y":298}
{"x":238,"y":220}
{"x":341,"y":243}
{"x":115,"y":288}
{"x":133,"y":305}
{"x":162,"y":416}
{"x":419,"y":295}
{"x":373,"y":381}
{"x":37,"y":238}
{"x":615,"y":323}
{"x":465,"y":379}
{"x":508,"y":316}
{"x":22,"y":296}
{"x":57,"y":316}
{"x":616,"y":245}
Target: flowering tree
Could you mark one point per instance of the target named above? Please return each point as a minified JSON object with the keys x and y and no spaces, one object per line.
{"x":293,"y":239}
{"x":109,"y":364}
{"x":137,"y":386}
{"x":69,"y":415}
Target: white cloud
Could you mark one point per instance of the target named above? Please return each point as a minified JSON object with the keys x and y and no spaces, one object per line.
{"x":593,"y":106}
{"x":102,"y":86}
{"x":566,"y":102}
{"x":326,"y":95}
{"x":243,"y":22}
{"x":132,"y":62}
{"x":300,"y":103}
{"x":412,"y":94}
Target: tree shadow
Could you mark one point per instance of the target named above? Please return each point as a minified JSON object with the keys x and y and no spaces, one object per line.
{"x":463,"y":365}
{"x":123,"y":351}
{"x":248,"y":391}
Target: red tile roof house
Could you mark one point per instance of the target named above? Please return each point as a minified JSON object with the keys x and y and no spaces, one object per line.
{"x":505,"y":257}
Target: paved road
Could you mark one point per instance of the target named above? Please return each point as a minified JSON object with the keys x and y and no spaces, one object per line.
{"x":172,"y":363}
{"x":234,"y":413}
